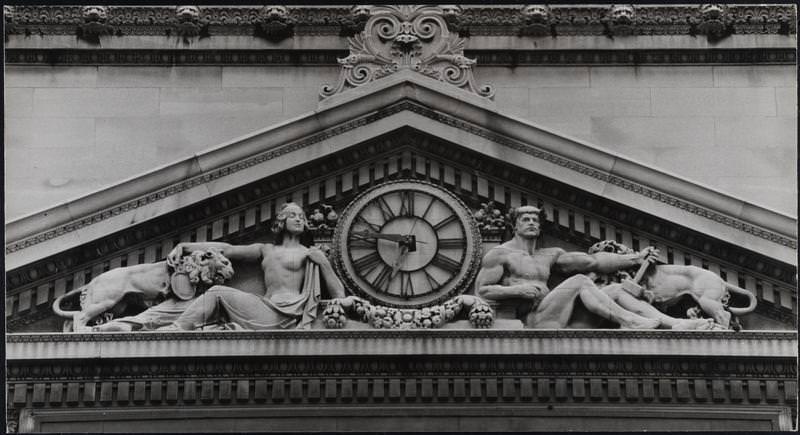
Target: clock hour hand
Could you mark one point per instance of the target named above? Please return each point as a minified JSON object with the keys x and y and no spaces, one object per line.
{"x":373,"y":235}
{"x":403,"y":239}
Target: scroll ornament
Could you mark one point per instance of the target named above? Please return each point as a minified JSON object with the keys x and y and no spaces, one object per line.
{"x":406,"y":37}
{"x":476,"y":310}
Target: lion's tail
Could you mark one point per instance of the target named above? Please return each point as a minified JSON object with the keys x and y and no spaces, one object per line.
{"x":57,"y":303}
{"x":742,"y":310}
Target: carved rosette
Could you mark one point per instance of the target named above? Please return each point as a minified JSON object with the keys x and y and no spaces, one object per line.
{"x":474,"y":309}
{"x":416,"y":38}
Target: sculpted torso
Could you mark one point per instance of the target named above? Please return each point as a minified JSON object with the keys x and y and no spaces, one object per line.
{"x":283,"y":271}
{"x":523,"y":268}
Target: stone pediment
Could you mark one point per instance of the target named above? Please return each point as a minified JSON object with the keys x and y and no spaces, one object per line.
{"x":426,"y":105}
{"x":594,"y":193}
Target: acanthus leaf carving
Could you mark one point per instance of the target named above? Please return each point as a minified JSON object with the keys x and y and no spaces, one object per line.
{"x":414,"y":38}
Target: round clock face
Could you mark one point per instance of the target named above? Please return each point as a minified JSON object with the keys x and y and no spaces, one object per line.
{"x":407,"y":244}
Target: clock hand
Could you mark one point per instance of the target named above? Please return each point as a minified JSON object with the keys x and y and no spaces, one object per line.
{"x":372,"y":235}
{"x":399,"y":238}
{"x":396,"y":265}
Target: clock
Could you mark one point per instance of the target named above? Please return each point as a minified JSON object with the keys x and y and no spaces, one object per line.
{"x":407,"y":244}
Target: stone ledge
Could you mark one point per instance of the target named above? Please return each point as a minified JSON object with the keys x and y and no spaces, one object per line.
{"x":65,"y":346}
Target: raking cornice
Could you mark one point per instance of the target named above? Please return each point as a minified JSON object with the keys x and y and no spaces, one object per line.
{"x":419,"y":102}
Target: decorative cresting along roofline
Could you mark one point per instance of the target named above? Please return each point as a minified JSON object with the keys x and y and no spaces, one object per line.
{"x":279,"y":22}
{"x":406,"y":37}
{"x":358,"y":116}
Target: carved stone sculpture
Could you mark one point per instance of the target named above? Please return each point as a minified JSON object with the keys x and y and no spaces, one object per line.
{"x":491,"y":220}
{"x":322,"y":221}
{"x":620,"y":19}
{"x":538,"y":20}
{"x":406,"y":37}
{"x":517,"y":271}
{"x":94,"y":25}
{"x":665,"y":284}
{"x":354,"y":24}
{"x":180,"y":276}
{"x":480,"y":315}
{"x":274,"y":23}
{"x":293,"y":275}
{"x":713,"y":21}
{"x":452,"y":15}
{"x":188,"y":21}
{"x":8,"y":19}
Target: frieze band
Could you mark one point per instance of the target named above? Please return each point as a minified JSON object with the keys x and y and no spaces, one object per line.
{"x":100,"y":56}
{"x":716,"y":21}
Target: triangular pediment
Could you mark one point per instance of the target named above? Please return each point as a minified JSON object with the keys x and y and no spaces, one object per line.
{"x":404,"y":99}
{"x":594,"y":193}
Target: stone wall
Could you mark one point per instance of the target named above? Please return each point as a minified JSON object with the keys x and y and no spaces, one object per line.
{"x":72,"y":130}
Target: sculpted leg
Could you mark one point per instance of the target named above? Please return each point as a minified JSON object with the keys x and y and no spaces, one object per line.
{"x":644,"y":309}
{"x":716,"y":310}
{"x":203,"y":309}
{"x":556,"y":307}
{"x":244,"y":309}
{"x":601,"y":304}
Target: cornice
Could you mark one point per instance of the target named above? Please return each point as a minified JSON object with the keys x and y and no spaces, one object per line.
{"x":59,"y":346}
{"x":532,"y":21}
{"x":440,"y":117}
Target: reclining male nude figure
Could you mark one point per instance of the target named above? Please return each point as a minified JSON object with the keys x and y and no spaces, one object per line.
{"x":518,"y":270}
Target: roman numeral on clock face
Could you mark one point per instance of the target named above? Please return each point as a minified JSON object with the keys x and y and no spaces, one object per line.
{"x":364,"y":221}
{"x":406,"y":203}
{"x":446,"y":263}
{"x":406,"y":285}
{"x":360,"y":242}
{"x":432,"y":281}
{"x":381,"y":281}
{"x":385,"y":209}
{"x":445,"y":222}
{"x":365,"y":264}
{"x":457,"y":243}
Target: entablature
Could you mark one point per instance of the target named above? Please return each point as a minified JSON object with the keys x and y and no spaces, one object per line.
{"x":317,"y":35}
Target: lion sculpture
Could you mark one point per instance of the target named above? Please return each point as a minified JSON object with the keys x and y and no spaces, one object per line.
{"x":151,"y":281}
{"x":665,"y":284}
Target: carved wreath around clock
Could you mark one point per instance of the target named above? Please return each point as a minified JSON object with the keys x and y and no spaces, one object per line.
{"x":407,"y":244}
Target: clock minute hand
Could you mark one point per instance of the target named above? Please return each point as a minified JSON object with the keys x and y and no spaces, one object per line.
{"x":399,"y":261}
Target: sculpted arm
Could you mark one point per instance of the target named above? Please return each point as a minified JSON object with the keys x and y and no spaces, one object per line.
{"x":602,"y":262}
{"x":487,"y":284}
{"x":233,"y":252}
